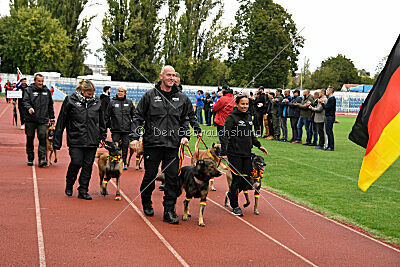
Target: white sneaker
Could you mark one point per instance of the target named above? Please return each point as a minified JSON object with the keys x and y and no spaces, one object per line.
{"x":22,"y":127}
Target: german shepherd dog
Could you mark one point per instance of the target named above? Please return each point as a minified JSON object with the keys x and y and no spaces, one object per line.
{"x":139,"y":155}
{"x":194,"y":180}
{"x":49,"y":145}
{"x":110,"y":166}
{"x":214,"y":153}
{"x":258,"y":164}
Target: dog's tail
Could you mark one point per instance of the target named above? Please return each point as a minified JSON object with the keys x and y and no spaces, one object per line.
{"x":160,"y":177}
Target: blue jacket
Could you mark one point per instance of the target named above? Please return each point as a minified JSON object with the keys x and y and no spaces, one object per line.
{"x":199,"y":102}
{"x":283,"y":107}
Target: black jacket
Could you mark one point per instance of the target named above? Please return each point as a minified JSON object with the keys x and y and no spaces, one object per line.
{"x":294,"y":111}
{"x":330,"y":107}
{"x":41,"y":101}
{"x":165,"y":116}
{"x":83,"y":120}
{"x":105,"y":100}
{"x":119,"y":115}
{"x":260,"y":104}
{"x":238,"y":137}
{"x":283,"y":107}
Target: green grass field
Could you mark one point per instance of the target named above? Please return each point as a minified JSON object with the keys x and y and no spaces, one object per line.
{"x":327,"y":181}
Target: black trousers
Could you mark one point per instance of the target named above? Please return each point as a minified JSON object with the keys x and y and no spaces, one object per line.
{"x":21,"y":112}
{"x":81,"y":157}
{"x":321,"y":134}
{"x":293,"y":124}
{"x":30,"y":128}
{"x":314,"y":132}
{"x":170,"y":164}
{"x":241,"y":165}
{"x":123,"y":140}
{"x":270,"y":125}
{"x":330,"y":120}
{"x":258,"y":123}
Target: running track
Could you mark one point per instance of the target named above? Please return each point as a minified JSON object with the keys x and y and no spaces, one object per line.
{"x":41,"y":226}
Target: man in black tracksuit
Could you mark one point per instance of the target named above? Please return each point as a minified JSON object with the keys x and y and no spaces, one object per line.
{"x":260,"y":110}
{"x":83,"y":118}
{"x":294,"y":114}
{"x":165,"y":112}
{"x":22,"y":87}
{"x":119,"y":116}
{"x":38,"y":112}
{"x":330,"y":114}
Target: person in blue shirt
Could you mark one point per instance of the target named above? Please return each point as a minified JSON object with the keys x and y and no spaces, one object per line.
{"x":199,"y":106}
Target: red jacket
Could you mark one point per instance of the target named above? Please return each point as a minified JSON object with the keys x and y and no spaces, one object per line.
{"x":223,"y":107}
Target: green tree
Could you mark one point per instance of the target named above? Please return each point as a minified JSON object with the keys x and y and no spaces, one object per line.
{"x":68,"y":12}
{"x":335,"y":71}
{"x":33,"y":41}
{"x":131,"y":33}
{"x":194,"y":40}
{"x":262,"y":30}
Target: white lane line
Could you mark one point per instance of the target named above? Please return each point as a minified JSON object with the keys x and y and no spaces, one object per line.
{"x":4,"y":111}
{"x":153,"y":228}
{"x":329,"y":219}
{"x":266,"y":235}
{"x":42,"y":256}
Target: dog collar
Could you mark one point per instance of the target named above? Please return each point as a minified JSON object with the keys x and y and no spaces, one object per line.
{"x":197,"y":180}
{"x":116,"y":159}
{"x":257,"y":174}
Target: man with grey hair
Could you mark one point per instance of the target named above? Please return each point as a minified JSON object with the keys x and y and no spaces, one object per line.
{"x":39,"y":111}
{"x":319,"y":118}
{"x":163,"y":112}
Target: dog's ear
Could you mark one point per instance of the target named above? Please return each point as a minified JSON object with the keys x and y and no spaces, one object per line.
{"x":213,"y":145}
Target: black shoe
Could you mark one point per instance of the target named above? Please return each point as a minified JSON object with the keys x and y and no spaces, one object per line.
{"x":161,"y":187}
{"x":170,"y":217}
{"x":148,"y":210}
{"x":42,"y":164}
{"x":30,"y":163}
{"x":85,"y":196}
{"x":329,"y":149}
{"x":68,"y":191}
{"x":237,"y":212}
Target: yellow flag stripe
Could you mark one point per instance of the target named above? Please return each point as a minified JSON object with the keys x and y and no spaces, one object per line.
{"x":384,"y":153}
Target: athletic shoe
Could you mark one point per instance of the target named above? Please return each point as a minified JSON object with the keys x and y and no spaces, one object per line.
{"x":125,"y":168}
{"x":68,"y":191}
{"x":270,"y":137}
{"x":30,"y":163}
{"x":148,"y":210}
{"x":22,"y":127}
{"x":170,"y":217}
{"x":319,"y":147}
{"x":85,"y":196}
{"x":161,"y":187}
{"x":42,"y":164}
{"x":306,"y":144}
{"x":237,"y":212}
{"x":329,"y":149}
{"x":297,"y":142}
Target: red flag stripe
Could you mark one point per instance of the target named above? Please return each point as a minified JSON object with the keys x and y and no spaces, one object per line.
{"x":384,"y":110}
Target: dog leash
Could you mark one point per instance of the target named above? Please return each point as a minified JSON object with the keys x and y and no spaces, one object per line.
{"x":181,"y":155}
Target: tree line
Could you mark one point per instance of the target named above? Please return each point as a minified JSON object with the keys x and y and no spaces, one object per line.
{"x":42,"y":35}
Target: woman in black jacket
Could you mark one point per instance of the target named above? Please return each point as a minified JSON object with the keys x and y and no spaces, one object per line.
{"x":82,"y":116}
{"x":118,"y":117}
{"x":237,"y":142}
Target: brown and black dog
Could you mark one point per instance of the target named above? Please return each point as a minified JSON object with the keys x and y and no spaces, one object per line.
{"x":212,"y":153}
{"x":49,"y":145}
{"x":194,"y":180}
{"x":139,"y":155}
{"x":110,"y":166}
{"x":258,"y":164}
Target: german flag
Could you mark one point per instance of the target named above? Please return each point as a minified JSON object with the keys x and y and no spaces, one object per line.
{"x":377,"y":127}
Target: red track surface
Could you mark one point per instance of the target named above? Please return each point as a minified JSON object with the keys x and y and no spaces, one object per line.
{"x":70,"y":225}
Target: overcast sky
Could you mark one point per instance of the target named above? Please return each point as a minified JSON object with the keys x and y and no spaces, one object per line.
{"x":364,"y":31}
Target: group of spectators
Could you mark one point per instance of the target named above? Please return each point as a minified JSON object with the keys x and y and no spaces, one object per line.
{"x":271,"y":110}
